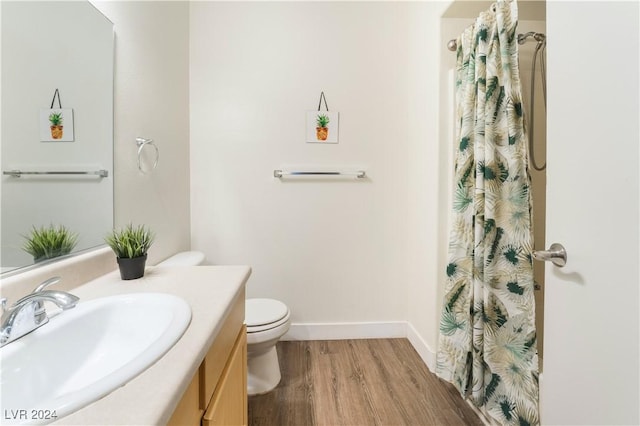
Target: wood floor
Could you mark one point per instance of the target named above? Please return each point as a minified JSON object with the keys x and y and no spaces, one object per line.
{"x":357,"y":382}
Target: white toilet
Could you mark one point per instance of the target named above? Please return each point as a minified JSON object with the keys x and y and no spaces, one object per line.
{"x":267,"y":321}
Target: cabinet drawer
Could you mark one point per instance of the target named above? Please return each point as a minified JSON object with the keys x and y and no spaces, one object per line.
{"x":214,"y":362}
{"x":229,"y":404}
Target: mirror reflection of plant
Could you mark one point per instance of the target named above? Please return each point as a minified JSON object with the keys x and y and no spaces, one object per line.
{"x":130,"y":241}
{"x":50,"y":241}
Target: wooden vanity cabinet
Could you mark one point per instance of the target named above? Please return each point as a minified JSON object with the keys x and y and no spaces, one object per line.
{"x":217,"y":394}
{"x":188,"y":411}
{"x":228,"y":406}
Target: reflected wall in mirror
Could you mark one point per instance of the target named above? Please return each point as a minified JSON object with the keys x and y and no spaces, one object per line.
{"x":47,"y":46}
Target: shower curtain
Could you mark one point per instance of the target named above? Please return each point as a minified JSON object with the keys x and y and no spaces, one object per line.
{"x":487,"y":344}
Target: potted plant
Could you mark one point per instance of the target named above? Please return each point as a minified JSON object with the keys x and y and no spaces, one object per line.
{"x":131,"y":244}
{"x":322,"y":131}
{"x":50,"y":241}
{"x":56,"y":119}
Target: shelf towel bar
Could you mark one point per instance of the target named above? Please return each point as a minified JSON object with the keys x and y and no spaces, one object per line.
{"x":18,"y":173}
{"x":280,"y":173}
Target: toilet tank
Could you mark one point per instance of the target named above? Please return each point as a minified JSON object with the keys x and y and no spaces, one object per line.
{"x":185,"y":258}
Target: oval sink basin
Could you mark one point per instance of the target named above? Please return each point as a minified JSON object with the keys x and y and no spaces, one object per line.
{"x":84,"y":353}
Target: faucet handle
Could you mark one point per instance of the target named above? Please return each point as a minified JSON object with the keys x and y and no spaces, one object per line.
{"x":38,"y":306}
{"x":46,"y":284}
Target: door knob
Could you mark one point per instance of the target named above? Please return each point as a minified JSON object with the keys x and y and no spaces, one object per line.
{"x":556,"y":254}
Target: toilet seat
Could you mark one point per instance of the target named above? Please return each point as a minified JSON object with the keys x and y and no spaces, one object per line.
{"x":265,"y":327}
{"x":265,"y":314}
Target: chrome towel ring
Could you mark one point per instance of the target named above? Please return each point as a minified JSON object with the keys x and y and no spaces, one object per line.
{"x":142,"y":142}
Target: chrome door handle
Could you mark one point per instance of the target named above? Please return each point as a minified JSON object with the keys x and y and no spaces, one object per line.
{"x":556,"y":254}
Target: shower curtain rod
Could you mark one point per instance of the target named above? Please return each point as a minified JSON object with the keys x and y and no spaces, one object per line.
{"x":452,"y":45}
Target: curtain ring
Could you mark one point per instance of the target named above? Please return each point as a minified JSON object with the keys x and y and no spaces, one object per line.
{"x":142,"y":142}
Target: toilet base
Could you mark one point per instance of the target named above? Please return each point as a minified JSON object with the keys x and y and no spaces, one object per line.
{"x":263,"y":372}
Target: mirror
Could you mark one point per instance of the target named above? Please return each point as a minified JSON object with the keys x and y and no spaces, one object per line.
{"x":47,"y":47}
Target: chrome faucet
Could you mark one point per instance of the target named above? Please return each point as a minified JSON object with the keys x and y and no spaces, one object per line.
{"x":29,"y":313}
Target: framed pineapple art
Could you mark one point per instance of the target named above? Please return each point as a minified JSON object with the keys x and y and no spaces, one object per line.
{"x":56,"y":124}
{"x":322,"y":126}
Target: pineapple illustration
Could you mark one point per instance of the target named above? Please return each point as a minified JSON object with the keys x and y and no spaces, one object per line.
{"x":322,"y":131}
{"x":56,"y":119}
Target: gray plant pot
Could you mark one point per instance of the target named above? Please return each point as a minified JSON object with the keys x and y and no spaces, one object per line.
{"x":132,"y":267}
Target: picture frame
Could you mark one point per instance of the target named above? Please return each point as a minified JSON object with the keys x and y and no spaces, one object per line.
{"x":322,"y":127}
{"x":56,"y":125}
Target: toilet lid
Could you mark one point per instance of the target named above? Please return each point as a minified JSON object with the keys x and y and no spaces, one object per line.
{"x":264,"y":311}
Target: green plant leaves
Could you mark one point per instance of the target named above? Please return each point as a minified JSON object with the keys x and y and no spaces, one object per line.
{"x":130,"y":241}
{"x":55,"y":118}
{"x":322,"y":120}
{"x":50,"y":241}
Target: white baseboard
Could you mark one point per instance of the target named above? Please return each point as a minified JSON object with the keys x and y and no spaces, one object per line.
{"x":363,"y":330}
{"x":425,"y":352}
{"x":346,"y":330}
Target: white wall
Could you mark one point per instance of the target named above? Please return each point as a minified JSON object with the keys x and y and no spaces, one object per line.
{"x":334,"y":251}
{"x":152,"y":101}
{"x":426,"y":187}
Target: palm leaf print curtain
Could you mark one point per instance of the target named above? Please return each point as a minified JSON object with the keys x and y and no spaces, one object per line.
{"x":487,"y":345}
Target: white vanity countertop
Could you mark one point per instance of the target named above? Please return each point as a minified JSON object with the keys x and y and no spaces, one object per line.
{"x":151,"y":397}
